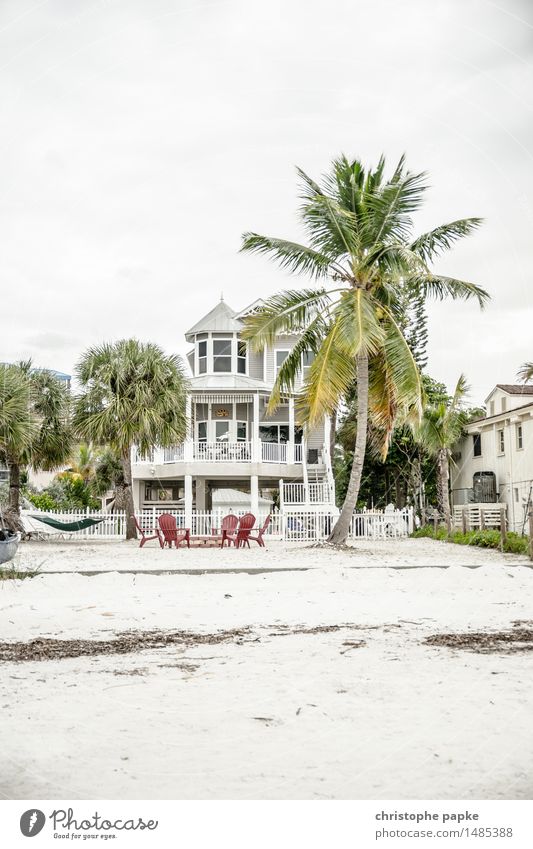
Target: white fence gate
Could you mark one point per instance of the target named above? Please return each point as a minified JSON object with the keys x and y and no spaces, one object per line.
{"x":294,"y":525}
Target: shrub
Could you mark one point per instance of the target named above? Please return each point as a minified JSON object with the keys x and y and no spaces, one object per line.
{"x":489,"y":538}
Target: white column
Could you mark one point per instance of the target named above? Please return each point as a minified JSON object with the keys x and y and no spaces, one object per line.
{"x":327,"y":437}
{"x":256,"y":456}
{"x":290,"y":446}
{"x":188,"y":444}
{"x":188,"y":501}
{"x":254,"y":494}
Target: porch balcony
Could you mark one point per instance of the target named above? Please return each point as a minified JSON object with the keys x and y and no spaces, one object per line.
{"x":230,"y":452}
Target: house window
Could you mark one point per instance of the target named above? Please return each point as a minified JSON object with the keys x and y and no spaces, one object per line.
{"x":222,"y":355}
{"x":242,"y":429}
{"x":274,"y":433}
{"x":281,"y":356}
{"x":492,"y":408}
{"x":307,"y":359}
{"x":241,"y":357}
{"x":222,"y":431}
{"x":519,"y":437}
{"x":477,"y":444}
{"x":501,"y":442}
{"x":504,"y":404}
{"x":516,"y":494}
{"x":202,"y":357}
{"x":202,"y":431}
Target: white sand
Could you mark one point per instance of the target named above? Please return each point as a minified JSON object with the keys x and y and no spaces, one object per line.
{"x":291,"y":717}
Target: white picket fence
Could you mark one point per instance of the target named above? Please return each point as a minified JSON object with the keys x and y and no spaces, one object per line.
{"x":296,"y":525}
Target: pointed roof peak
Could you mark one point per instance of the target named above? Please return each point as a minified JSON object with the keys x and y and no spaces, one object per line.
{"x":221,"y":319}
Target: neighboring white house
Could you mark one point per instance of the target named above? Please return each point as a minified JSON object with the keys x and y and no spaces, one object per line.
{"x":494,"y":460}
{"x":232,"y":444}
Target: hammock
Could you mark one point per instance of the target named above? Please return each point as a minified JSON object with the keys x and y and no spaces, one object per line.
{"x":67,"y":526}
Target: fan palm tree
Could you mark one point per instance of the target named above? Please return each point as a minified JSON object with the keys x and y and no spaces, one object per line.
{"x":132,"y":394}
{"x":526,"y":372}
{"x":34,"y":425}
{"x":362,"y":251}
{"x":439,"y":429}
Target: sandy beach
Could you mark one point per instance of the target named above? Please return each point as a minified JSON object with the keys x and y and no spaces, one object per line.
{"x":325,"y":689}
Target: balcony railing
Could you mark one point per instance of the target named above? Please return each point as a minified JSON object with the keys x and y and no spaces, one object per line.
{"x":174,"y":454}
{"x":295,"y":493}
{"x":229,"y":452}
{"x":212,"y":452}
{"x":273,"y":452}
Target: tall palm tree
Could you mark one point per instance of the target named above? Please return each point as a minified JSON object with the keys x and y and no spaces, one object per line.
{"x":132,"y":394}
{"x":526,"y":372}
{"x":34,"y":425}
{"x":361,"y":247}
{"x":439,"y":429}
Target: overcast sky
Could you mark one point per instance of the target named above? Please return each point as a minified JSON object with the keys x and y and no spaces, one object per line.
{"x":140,"y":138}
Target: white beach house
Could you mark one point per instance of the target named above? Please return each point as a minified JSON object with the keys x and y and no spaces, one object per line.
{"x":493,"y":462}
{"x":232,"y":444}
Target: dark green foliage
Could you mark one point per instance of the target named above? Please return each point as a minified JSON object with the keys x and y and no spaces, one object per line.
{"x":489,"y":538}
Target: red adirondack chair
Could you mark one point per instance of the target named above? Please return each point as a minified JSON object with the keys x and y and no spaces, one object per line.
{"x":258,"y":537}
{"x":240,"y":537}
{"x":228,"y":526}
{"x":171,"y":533}
{"x":144,"y":533}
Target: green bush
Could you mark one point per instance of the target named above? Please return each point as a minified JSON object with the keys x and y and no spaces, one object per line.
{"x":489,"y":538}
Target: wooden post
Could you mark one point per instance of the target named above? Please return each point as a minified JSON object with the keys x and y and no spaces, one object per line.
{"x":435,"y":523}
{"x":463,"y":519}
{"x":503,"y":526}
{"x":481,"y":519}
{"x":531,"y":535}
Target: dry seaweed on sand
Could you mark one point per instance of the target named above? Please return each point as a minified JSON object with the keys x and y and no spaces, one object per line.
{"x":48,"y":648}
{"x":512,"y":641}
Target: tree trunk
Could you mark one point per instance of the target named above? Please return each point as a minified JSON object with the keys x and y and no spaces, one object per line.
{"x":11,"y":515}
{"x":340,"y":531}
{"x":131,"y":530}
{"x":443,"y":476}
{"x":14,"y":488}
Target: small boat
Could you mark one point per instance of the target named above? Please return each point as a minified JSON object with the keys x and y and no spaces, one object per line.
{"x":9,"y":542}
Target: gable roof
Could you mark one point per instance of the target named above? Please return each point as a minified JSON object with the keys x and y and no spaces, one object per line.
{"x":516,"y":388}
{"x":221,"y":319}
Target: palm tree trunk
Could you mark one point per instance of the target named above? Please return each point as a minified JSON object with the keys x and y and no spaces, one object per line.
{"x":14,"y":488}
{"x":443,"y":476}
{"x":131,"y":530}
{"x":11,"y":515}
{"x":340,"y":531}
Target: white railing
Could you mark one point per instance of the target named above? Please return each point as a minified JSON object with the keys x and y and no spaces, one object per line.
{"x":174,"y":454}
{"x":273,"y":452}
{"x":240,"y":452}
{"x":143,"y":458}
{"x":295,"y":525}
{"x":317,"y":493}
{"x":233,"y":452}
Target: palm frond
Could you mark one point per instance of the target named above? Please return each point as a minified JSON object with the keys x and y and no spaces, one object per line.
{"x":296,"y":258}
{"x":358,"y":327}
{"x":526,"y":372}
{"x":438,"y":286}
{"x":288,"y":312}
{"x":331,"y":374}
{"x":440,"y":239}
